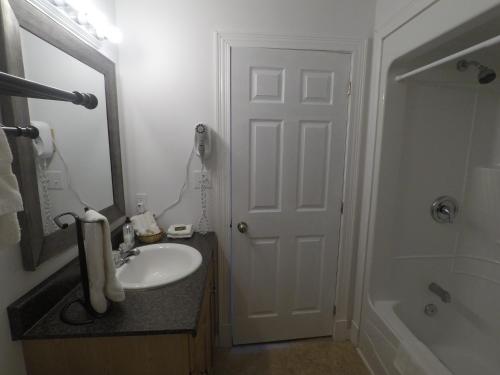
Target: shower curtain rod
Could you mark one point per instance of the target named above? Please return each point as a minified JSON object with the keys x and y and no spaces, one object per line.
{"x":487,"y":43}
{"x":15,"y":86}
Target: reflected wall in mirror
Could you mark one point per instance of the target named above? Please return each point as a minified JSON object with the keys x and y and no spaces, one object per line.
{"x":78,"y":173}
{"x":32,"y":45}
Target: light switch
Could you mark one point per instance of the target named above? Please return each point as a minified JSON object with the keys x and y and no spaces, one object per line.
{"x":141,"y":201}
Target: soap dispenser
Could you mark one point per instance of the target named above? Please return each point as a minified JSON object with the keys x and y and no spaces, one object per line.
{"x":128,"y":233}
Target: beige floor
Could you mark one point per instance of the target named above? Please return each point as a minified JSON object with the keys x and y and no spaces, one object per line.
{"x":305,"y":357}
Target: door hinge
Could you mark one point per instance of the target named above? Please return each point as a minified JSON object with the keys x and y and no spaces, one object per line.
{"x":349,"y":88}
{"x":341,"y":207}
{"x":334,"y":310}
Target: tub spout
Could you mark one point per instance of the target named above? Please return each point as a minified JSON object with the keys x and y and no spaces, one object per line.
{"x":440,"y":292}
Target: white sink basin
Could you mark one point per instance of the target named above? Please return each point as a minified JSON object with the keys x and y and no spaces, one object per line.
{"x":158,"y":265}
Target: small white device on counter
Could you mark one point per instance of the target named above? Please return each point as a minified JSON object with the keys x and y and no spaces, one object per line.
{"x":180,"y":231}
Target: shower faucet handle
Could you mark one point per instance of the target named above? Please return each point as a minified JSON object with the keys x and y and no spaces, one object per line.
{"x":444,"y":209}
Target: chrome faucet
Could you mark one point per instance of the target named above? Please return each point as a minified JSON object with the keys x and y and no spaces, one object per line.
{"x":124,"y":256}
{"x":440,"y":292}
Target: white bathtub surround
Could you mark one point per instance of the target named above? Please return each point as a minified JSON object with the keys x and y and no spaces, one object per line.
{"x":444,"y":143}
{"x":100,"y":266}
{"x":431,"y":135}
{"x":10,"y":197}
{"x":412,"y":356}
{"x":406,"y":362}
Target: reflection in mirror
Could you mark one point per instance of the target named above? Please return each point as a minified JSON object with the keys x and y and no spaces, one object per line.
{"x":77,"y":172}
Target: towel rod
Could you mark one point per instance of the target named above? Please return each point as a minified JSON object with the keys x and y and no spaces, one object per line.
{"x":28,"y":131}
{"x":477,"y":47}
{"x":15,"y":86}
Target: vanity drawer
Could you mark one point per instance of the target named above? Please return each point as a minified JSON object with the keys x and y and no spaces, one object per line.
{"x":127,"y":355}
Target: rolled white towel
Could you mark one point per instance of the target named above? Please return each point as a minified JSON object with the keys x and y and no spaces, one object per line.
{"x":10,"y":197}
{"x":100,"y":266}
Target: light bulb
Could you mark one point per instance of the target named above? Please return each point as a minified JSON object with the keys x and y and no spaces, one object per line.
{"x":82,"y":18}
{"x":95,"y":22}
{"x":114,"y":34}
{"x":100,"y":33}
{"x":78,"y":5}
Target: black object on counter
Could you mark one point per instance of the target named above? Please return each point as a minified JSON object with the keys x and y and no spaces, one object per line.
{"x":85,"y":301}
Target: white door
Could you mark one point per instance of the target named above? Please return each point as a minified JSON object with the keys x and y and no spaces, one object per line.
{"x":288,"y":132}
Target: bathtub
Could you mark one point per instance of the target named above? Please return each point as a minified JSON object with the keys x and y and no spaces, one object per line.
{"x":447,"y":343}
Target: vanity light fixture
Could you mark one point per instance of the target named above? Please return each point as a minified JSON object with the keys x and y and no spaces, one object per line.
{"x":89,"y":19}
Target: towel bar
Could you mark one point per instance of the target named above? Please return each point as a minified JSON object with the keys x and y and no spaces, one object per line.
{"x":28,"y":131}
{"x":82,"y":257}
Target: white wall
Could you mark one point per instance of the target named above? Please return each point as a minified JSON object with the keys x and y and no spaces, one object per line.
{"x":386,"y":9}
{"x":167,"y":79}
{"x":14,"y":281}
{"x":167,"y":75}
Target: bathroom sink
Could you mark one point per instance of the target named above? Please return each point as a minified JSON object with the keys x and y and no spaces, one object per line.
{"x":157,"y":265}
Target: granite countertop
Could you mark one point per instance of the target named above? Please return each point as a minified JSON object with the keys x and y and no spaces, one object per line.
{"x":174,"y":308}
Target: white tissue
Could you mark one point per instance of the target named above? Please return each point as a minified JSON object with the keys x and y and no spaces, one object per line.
{"x":145,"y":224}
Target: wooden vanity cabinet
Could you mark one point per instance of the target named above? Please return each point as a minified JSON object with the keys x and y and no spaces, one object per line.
{"x":174,"y":354}
{"x":201,"y":346}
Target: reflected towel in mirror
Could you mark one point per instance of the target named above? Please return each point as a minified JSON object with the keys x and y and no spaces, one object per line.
{"x":10,"y":198}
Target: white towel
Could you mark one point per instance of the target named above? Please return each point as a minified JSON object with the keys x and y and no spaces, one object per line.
{"x":145,"y":224}
{"x":100,"y":266}
{"x":10,"y":198}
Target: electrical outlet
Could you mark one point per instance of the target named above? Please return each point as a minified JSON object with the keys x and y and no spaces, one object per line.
{"x":197,"y":180}
{"x":141,"y":202}
{"x":56,"y":180}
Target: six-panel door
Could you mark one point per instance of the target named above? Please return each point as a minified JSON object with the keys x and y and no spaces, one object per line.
{"x":288,"y":134}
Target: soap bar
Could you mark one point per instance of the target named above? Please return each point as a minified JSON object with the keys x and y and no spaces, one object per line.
{"x":180,"y":231}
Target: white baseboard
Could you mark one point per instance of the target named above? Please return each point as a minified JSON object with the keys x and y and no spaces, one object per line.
{"x":354,"y":333}
{"x":341,"y":330}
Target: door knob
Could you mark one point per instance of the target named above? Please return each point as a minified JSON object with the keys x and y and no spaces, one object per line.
{"x":242,"y":227}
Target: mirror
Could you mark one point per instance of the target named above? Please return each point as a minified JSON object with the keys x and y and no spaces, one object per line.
{"x":84,"y":169}
{"x":78,"y":172}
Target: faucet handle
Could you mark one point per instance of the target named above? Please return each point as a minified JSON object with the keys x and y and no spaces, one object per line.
{"x":444,"y":209}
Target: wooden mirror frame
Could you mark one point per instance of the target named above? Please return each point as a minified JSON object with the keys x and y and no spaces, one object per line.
{"x":14,"y":15}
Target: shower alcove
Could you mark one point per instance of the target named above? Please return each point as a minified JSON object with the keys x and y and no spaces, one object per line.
{"x":439,"y":136}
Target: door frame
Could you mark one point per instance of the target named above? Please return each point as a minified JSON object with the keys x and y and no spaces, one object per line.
{"x":358,"y":49}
